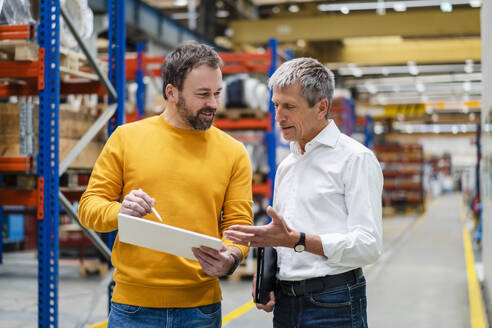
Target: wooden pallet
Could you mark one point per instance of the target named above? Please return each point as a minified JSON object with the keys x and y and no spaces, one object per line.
{"x":75,"y":64}
{"x":238,"y":113}
{"x":18,"y":50}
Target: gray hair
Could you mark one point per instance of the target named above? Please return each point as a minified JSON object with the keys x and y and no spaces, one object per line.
{"x":317,"y":81}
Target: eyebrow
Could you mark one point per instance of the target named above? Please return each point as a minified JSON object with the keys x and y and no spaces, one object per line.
{"x":206,"y":89}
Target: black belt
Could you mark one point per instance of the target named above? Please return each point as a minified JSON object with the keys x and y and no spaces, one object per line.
{"x":313,"y":285}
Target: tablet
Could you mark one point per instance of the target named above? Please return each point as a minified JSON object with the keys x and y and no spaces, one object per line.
{"x":162,"y":237}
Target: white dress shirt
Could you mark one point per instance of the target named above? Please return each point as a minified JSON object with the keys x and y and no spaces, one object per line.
{"x":333,"y":190}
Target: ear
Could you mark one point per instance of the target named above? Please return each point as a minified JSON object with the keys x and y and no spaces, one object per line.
{"x":172,"y":93}
{"x":322,"y":108}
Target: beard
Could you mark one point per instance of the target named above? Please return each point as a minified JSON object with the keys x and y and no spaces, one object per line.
{"x":197,"y":122}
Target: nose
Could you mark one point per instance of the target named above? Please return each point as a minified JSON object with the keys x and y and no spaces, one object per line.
{"x":278,"y":116}
{"x":212,"y":102}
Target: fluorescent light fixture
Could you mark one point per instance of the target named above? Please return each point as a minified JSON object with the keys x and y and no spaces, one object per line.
{"x":400,"y":6}
{"x":406,"y":127}
{"x":412,"y":68}
{"x":475,"y":3}
{"x":469,"y":66}
{"x":397,"y":4}
{"x":403,"y":69}
{"x":446,"y":7}
{"x":293,"y":8}
{"x":222,"y":13}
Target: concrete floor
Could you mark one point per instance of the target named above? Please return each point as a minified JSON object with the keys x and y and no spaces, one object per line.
{"x":420,"y":281}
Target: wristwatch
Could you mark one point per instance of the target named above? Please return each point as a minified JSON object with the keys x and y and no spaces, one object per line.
{"x":301,"y":244}
{"x":235,"y":265}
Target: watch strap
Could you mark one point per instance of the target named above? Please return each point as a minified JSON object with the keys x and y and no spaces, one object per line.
{"x":235,"y":265}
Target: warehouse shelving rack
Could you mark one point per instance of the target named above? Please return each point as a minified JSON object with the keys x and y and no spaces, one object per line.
{"x":42,"y":77}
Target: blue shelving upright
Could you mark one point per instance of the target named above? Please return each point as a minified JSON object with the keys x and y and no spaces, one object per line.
{"x":47,"y":164}
{"x":116,"y":75}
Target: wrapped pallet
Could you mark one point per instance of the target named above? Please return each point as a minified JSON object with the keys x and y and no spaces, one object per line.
{"x":14,"y":137}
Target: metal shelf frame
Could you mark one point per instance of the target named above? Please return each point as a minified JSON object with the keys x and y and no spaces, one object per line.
{"x":43,"y":78}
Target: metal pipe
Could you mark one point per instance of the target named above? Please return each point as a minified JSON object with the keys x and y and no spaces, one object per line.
{"x":100,"y":245}
{"x":90,"y":58}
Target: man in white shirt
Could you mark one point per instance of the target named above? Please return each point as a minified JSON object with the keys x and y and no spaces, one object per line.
{"x":326,"y":216}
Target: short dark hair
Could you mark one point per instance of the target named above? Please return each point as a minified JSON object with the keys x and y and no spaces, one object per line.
{"x":183,"y":59}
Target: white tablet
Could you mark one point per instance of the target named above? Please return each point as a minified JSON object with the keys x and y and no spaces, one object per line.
{"x":162,"y":237}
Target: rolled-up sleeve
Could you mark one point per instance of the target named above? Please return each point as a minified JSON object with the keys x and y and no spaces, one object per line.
{"x":362,"y":243}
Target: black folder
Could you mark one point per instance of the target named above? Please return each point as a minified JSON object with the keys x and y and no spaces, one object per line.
{"x":266,"y":270}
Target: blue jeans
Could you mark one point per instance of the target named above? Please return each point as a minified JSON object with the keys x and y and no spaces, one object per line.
{"x":339,"y":307}
{"x":122,"y":316}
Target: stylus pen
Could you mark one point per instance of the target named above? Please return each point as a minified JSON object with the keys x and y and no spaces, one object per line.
{"x":156,"y":214}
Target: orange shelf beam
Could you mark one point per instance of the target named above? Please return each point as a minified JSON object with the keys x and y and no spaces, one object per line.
{"x":14,"y":197}
{"x":243,"y":124}
{"x":24,"y":69}
{"x":16,"y":164}
{"x":17,"y":32}
{"x":263,"y":189}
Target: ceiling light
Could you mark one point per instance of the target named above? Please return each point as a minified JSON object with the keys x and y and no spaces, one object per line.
{"x":469,"y":66}
{"x":475,"y":3}
{"x":371,"y":88}
{"x":293,"y":8}
{"x":467,"y":86}
{"x":222,"y":13}
{"x":301,"y":43}
{"x":275,"y":9}
{"x":400,"y":6}
{"x":180,"y":3}
{"x":344,"y":10}
{"x":420,"y":87}
{"x":436,"y":128}
{"x":412,"y":68}
{"x":446,"y":7}
{"x":454,"y":129}
{"x":381,"y":9}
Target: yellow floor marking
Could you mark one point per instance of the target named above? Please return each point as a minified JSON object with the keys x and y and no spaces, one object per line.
{"x":477,"y":312}
{"x":424,"y":215}
{"x":237,"y":312}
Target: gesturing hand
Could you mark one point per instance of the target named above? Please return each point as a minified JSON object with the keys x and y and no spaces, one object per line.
{"x":137,"y":203}
{"x":276,"y":233}
{"x":214,"y":263}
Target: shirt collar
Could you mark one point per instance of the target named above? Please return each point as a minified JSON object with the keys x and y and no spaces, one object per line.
{"x":328,"y":136}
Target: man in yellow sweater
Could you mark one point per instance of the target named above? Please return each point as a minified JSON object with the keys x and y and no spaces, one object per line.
{"x":196,"y":176}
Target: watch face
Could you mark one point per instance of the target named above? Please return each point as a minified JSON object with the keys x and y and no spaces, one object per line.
{"x":299,"y":248}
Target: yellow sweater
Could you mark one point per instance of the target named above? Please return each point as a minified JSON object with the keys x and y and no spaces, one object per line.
{"x":194,"y":176}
